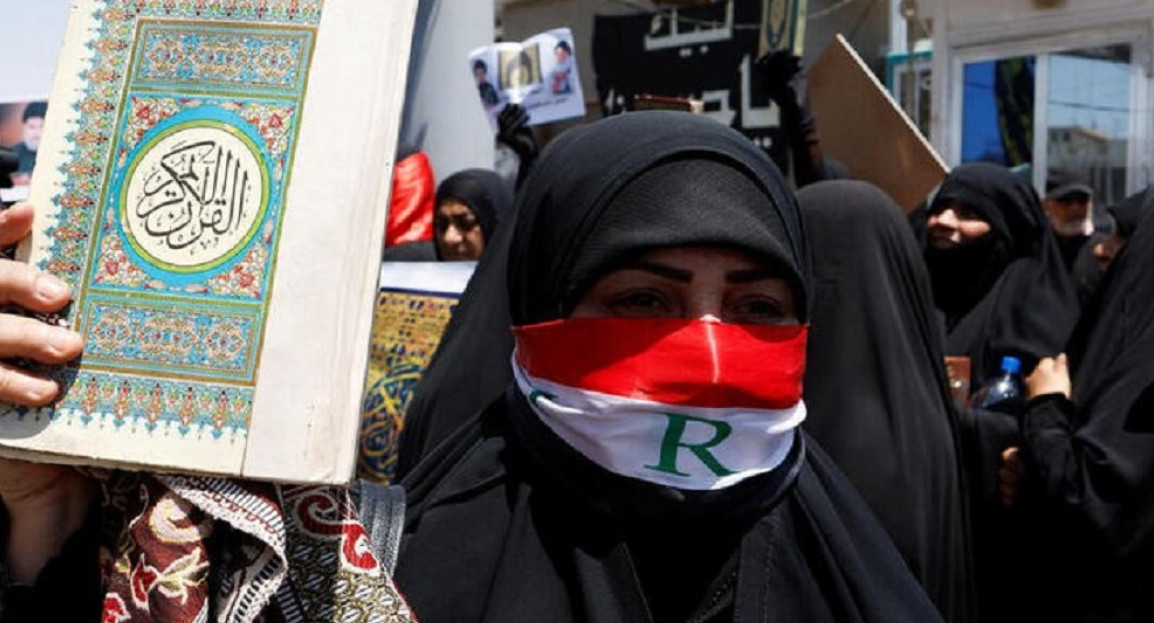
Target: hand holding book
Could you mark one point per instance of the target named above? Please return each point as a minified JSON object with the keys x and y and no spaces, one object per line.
{"x":23,"y":338}
{"x":44,"y":503}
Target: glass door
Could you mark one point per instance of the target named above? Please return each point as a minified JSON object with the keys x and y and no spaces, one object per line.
{"x":1078,"y":107}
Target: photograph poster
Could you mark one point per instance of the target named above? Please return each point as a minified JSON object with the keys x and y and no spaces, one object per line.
{"x":21,"y":126}
{"x":539,"y":73}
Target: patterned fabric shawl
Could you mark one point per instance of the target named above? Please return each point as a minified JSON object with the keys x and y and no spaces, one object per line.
{"x":189,"y":549}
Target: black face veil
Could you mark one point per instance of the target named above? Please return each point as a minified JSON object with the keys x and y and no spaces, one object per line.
{"x":1014,"y":296}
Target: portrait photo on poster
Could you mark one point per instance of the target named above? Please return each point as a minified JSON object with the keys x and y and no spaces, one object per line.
{"x":539,"y":73}
{"x":21,"y":126}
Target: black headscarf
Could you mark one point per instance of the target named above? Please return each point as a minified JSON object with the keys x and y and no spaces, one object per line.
{"x":1092,"y":459}
{"x":1128,"y":212}
{"x":484,"y":192}
{"x":1123,"y":219}
{"x":875,"y":386}
{"x":1007,"y":293}
{"x":507,"y":523}
{"x":473,"y":355}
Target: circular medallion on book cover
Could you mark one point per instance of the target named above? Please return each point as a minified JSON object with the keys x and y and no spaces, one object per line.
{"x":194,"y":196}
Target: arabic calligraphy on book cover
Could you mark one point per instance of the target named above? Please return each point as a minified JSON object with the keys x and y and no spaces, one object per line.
{"x":172,"y":201}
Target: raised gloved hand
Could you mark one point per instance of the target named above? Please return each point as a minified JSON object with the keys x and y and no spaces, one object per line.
{"x":513,"y":130}
{"x":780,"y":72}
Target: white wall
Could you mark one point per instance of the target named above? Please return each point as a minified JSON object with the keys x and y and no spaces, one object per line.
{"x":443,"y":113}
{"x":31,"y":32}
{"x":961,"y":14}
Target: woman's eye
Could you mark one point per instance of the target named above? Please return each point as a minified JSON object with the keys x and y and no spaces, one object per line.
{"x":755,"y":311}
{"x":640,"y":303}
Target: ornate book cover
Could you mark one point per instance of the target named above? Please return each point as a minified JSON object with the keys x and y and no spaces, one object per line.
{"x":213,"y":184}
{"x":414,"y":306}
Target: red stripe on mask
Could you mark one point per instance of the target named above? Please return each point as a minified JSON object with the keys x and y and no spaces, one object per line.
{"x":693,"y":363}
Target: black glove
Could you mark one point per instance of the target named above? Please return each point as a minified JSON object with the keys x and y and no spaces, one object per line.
{"x":513,"y":130}
{"x":780,"y":73}
{"x":779,"y":70}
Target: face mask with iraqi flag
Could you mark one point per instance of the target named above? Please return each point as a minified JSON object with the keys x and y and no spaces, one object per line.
{"x":690,"y":404}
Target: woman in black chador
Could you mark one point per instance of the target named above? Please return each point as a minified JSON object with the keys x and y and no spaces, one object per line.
{"x":646,"y":464}
{"x":875,"y":350}
{"x":1088,"y":453}
{"x":996,"y":270}
{"x":998,"y":277}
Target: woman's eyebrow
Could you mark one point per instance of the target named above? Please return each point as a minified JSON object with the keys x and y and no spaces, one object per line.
{"x":749,"y":275}
{"x":662,"y":270}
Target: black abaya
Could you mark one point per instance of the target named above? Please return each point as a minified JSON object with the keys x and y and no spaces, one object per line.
{"x":488,"y":541}
{"x":875,"y":386}
{"x":1013,"y":296}
{"x":1091,"y":459}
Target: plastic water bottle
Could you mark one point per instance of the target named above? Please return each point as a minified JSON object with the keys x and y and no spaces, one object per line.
{"x":1004,"y":392}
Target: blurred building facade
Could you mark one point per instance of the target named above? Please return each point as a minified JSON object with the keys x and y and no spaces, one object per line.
{"x":1030,"y":84}
{"x":1038,"y":84}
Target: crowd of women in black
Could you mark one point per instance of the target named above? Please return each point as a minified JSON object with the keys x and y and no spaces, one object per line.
{"x":1034,"y":514}
{"x":676,"y":390}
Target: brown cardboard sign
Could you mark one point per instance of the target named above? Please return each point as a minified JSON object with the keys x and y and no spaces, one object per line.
{"x":864,"y":128}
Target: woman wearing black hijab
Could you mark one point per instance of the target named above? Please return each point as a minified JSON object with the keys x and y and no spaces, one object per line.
{"x":1088,"y":452}
{"x":875,"y":351}
{"x":998,"y":277}
{"x":470,"y":205}
{"x":1005,"y":292}
{"x":637,"y":469}
{"x":1125,"y":216}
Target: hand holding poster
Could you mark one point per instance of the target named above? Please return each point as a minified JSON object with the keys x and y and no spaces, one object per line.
{"x":539,"y":73}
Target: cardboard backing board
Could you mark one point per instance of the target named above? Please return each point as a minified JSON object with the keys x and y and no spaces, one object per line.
{"x":864,"y":128}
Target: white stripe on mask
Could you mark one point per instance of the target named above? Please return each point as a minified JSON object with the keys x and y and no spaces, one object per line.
{"x":693,"y":448}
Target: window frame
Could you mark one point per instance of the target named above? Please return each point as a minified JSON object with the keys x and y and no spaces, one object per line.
{"x":1140,"y":146}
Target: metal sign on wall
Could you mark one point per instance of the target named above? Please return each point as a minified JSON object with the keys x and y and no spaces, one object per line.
{"x":705,"y":53}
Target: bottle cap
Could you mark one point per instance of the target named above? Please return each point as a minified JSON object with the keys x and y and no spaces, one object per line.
{"x":1012,"y":365}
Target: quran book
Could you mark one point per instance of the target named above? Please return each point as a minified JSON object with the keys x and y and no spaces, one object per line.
{"x":414,"y":306}
{"x":213,"y":184}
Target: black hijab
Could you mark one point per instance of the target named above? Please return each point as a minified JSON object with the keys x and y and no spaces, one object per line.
{"x":470,"y":367}
{"x":1093,"y":461}
{"x":1007,"y":293}
{"x":507,"y":523}
{"x":484,"y":192}
{"x":1128,"y":212}
{"x":875,"y":351}
{"x":1123,"y":217}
